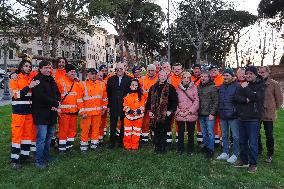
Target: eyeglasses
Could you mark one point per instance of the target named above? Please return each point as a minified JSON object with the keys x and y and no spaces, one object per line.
{"x":27,"y":66}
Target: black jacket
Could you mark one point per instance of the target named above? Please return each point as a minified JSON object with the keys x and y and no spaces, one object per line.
{"x":253,"y":109}
{"x":44,"y":97}
{"x":227,"y":104}
{"x":116,"y":93}
{"x":171,"y":106}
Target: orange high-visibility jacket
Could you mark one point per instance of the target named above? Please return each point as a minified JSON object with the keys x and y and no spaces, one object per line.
{"x":21,"y":100}
{"x":218,"y":80}
{"x":146,"y":83}
{"x":69,"y":104}
{"x":196,"y":80}
{"x":93,"y":99}
{"x":58,"y":73}
{"x":134,"y":109}
{"x":174,"y":80}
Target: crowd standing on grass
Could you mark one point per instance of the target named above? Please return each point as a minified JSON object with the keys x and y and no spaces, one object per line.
{"x":224,"y":108}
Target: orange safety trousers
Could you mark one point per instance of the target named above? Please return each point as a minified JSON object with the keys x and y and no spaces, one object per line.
{"x":67,"y":125}
{"x":90,"y":129}
{"x":132,"y":132}
{"x":217,"y":131}
{"x":103,"y":126}
{"x":23,"y":136}
{"x":145,"y":128}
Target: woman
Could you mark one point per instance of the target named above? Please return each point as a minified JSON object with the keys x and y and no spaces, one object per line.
{"x":187,"y":112}
{"x":133,"y":106}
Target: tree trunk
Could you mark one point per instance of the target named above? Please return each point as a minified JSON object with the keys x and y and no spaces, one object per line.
{"x":198,"y":56}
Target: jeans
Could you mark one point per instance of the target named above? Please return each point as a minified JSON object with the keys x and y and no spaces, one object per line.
{"x":207,"y":129}
{"x":268,"y":128}
{"x":234,"y":126}
{"x":44,"y":135}
{"x":249,"y":141}
{"x":190,"y":126}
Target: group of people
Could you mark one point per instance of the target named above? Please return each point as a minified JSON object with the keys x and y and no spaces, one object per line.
{"x":140,"y":108}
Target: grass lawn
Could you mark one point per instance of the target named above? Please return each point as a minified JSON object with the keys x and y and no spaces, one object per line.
{"x":143,"y":169}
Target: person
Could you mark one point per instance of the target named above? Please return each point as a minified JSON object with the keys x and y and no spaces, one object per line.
{"x":196,"y":71}
{"x":147,"y":82}
{"x":23,"y":129}
{"x":228,"y":115}
{"x":208,"y":107}
{"x":59,"y":70}
{"x":187,"y":112}
{"x":45,"y":103}
{"x":241,"y":75}
{"x":166,"y":67}
{"x":157,"y":64}
{"x":104,"y":70}
{"x":136,"y":71}
{"x":117,"y":88}
{"x":133,"y":106}
{"x":218,"y":80}
{"x":249,"y":97}
{"x":69,"y":88}
{"x":161,"y":103}
{"x":91,"y":108}
{"x":272,"y":101}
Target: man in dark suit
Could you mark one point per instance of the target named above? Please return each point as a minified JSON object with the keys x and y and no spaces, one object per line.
{"x":117,"y":88}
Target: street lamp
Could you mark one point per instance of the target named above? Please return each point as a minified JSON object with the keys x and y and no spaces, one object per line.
{"x":6,"y":94}
{"x":169,"y":42}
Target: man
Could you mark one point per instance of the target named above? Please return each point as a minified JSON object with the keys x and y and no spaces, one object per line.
{"x":195,"y":77}
{"x":23,"y":129}
{"x":166,"y":67}
{"x":117,"y":88}
{"x":67,"y":122}
{"x":249,"y":97}
{"x":228,"y":115}
{"x":161,"y":103}
{"x":147,"y":82}
{"x":218,"y":80}
{"x":136,"y":71}
{"x":175,"y":78}
{"x":92,"y":106}
{"x":45,"y":103}
{"x":272,"y":101}
{"x":104,"y":70}
{"x":158,"y":67}
{"x":241,"y":75}
{"x":208,"y":107}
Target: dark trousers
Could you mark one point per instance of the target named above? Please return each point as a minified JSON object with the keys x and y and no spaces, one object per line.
{"x":160,"y":139}
{"x":268,"y":128}
{"x":190,"y":127}
{"x":113,"y":126}
{"x":248,"y":138}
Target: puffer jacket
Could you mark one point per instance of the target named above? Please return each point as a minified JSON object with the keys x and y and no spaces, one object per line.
{"x":227,"y":104}
{"x":208,"y":99}
{"x":187,"y":109}
{"x":250,"y":110}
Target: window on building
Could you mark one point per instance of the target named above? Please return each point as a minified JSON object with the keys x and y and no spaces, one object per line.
{"x":11,"y":54}
{"x":88,"y":41}
{"x":67,"y":54}
{"x":62,"y":53}
{"x":39,"y":52}
{"x":73,"y":55}
{"x":0,"y":54}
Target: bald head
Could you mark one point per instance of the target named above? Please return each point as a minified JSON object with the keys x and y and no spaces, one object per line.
{"x":120,"y":69}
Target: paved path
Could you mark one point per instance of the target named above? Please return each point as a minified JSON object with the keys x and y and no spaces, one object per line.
{"x":3,"y":102}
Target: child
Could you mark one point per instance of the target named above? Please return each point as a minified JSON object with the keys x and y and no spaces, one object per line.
{"x":133,"y":107}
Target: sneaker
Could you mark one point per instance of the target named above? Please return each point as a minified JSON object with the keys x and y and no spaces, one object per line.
{"x":15,"y":166}
{"x":232,"y":159}
{"x":252,"y":169}
{"x":223,"y":156}
{"x":241,"y":164}
{"x":269,"y":159}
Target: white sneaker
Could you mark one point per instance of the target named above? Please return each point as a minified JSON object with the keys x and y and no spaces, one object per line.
{"x":232,"y":159}
{"x":223,"y":156}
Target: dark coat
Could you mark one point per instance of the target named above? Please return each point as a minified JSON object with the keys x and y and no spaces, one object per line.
{"x":272,"y":101}
{"x":171,"y":105}
{"x":208,"y":99}
{"x":116,"y":93}
{"x":45,"y":96}
{"x":250,"y":110}
{"x":227,"y":105}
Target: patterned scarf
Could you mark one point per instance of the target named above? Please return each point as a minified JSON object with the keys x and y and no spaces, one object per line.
{"x":159,"y":103}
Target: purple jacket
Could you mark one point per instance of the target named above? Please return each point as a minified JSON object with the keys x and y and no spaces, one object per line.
{"x":187,"y":109}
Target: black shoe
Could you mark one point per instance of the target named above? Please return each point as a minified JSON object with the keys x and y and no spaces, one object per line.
{"x":210,"y":154}
{"x":15,"y":166}
{"x":190,"y":154}
{"x":204,"y":150}
{"x":111,"y":146}
{"x":179,"y":152}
